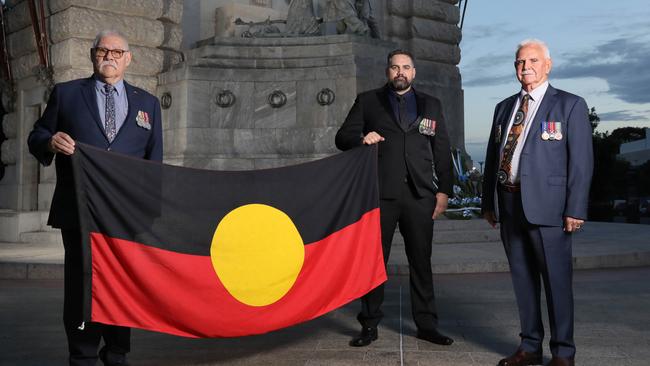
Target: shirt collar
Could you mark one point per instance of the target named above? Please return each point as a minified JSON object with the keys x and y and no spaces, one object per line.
{"x":119,"y":86}
{"x":537,"y":93}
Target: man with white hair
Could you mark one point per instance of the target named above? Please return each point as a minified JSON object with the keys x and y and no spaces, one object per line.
{"x":538,"y":169}
{"x":107,"y":112}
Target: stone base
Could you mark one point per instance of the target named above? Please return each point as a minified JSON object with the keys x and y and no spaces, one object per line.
{"x":13,"y":223}
{"x":252,"y":73}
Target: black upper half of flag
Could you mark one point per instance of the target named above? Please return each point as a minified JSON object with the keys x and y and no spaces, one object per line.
{"x":178,"y":208}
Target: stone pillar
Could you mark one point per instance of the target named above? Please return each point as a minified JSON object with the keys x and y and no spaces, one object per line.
{"x":428,"y":29}
{"x":154,"y":33}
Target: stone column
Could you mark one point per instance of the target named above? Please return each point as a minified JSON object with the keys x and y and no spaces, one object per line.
{"x":153,"y":30}
{"x":428,"y":29}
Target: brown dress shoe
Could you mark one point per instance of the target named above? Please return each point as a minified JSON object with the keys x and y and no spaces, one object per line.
{"x":522,"y":358}
{"x":559,"y":361}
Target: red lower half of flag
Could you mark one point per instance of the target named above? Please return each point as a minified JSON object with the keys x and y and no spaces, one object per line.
{"x":140,"y":286}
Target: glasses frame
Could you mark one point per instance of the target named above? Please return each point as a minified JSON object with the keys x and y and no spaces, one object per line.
{"x":102,"y":52}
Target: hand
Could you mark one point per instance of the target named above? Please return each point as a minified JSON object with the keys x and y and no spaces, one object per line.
{"x":372,"y":138}
{"x":572,"y":224}
{"x":491,"y":218}
{"x":441,"y":204}
{"x":62,"y":143}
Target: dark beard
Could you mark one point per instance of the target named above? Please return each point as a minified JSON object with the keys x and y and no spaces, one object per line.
{"x":399,"y":84}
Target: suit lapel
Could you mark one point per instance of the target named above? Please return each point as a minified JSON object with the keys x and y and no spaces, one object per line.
{"x":506,"y":113}
{"x":90,"y":98}
{"x":385,"y":103}
{"x":133,"y":98}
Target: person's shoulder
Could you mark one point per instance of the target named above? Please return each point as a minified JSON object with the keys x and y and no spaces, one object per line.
{"x":138,"y":91}
{"x":563,"y":94}
{"x":507,"y":100}
{"x":372,"y":93}
{"x":72,"y":84}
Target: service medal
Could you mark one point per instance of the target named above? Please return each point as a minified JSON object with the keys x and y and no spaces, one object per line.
{"x":558,"y":129}
{"x":142,"y":119}
{"x":502,"y":176}
{"x":519,"y":117}
{"x":427,"y":127}
{"x":545,"y":135}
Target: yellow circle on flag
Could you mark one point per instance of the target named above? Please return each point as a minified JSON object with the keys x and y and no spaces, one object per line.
{"x":257,"y":252}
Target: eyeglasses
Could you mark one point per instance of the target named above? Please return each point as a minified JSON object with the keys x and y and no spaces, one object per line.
{"x":116,"y":53}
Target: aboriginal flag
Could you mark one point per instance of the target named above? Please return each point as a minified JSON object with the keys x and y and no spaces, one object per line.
{"x":202,"y":253}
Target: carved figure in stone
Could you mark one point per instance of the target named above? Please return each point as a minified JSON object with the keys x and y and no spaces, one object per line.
{"x":301,"y":19}
{"x":266,"y":28}
{"x":352,"y":17}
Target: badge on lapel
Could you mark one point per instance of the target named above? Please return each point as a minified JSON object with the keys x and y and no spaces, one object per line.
{"x":142,"y":119}
{"x":551,"y":131}
{"x":427,"y":127}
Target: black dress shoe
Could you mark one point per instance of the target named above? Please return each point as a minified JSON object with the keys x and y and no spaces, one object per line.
{"x":366,"y":337}
{"x":434,"y":336}
{"x":112,"y":358}
{"x":522,"y":358}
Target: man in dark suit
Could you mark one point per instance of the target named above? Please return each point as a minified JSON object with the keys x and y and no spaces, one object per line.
{"x":413,"y":142}
{"x":538,"y":170}
{"x":105,"y":111}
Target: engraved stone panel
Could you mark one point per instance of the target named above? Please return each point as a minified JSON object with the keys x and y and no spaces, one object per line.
{"x":152,"y":9}
{"x":85,"y":23}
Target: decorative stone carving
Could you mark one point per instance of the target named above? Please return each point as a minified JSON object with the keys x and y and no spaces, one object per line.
{"x":325,"y":97}
{"x":301,"y":19}
{"x":226,"y":99}
{"x":166,"y":100}
{"x":277,"y":99}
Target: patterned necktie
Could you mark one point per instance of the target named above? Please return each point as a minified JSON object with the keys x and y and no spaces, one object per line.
{"x":513,"y":137}
{"x":402,"y":110}
{"x":110,"y":112}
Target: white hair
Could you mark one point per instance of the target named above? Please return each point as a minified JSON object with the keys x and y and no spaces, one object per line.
{"x":533,"y":42}
{"x":110,"y":32}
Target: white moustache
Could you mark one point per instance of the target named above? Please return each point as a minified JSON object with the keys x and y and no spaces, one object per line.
{"x":108,"y":63}
{"x":527,"y":72}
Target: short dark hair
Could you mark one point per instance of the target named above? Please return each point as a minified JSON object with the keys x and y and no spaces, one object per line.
{"x":399,"y":52}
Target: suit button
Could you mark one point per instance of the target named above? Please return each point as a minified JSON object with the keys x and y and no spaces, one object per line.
{"x":108,"y":149}
{"x":406,"y":180}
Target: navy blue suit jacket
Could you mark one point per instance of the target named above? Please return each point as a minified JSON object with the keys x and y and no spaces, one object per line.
{"x":555,"y":174}
{"x":72,"y":108}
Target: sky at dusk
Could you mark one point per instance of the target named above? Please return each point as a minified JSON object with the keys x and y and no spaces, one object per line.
{"x":600,"y":51}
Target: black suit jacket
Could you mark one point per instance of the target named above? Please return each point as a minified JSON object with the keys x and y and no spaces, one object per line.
{"x":404,"y":152}
{"x":72,"y":108}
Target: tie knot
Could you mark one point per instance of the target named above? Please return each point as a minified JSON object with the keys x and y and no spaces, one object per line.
{"x":525,"y":98}
{"x":108,"y":89}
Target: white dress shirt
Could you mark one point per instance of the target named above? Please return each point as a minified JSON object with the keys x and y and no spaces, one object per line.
{"x":536,"y":96}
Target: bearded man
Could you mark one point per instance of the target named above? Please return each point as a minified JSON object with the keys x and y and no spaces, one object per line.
{"x":411,"y":133}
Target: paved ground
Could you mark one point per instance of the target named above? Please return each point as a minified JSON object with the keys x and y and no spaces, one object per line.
{"x":478,"y":310}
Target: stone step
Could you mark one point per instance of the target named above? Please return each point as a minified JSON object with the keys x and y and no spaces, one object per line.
{"x":51,"y":237}
{"x":458,"y":231}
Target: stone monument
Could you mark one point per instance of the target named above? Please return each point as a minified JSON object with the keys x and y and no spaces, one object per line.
{"x":265,"y":91}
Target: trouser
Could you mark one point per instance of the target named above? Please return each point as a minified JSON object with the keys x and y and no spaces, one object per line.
{"x":83,"y":343}
{"x":538,"y":253}
{"x":413,"y":214}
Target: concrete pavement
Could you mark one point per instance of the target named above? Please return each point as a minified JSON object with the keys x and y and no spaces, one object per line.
{"x":477,"y":310}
